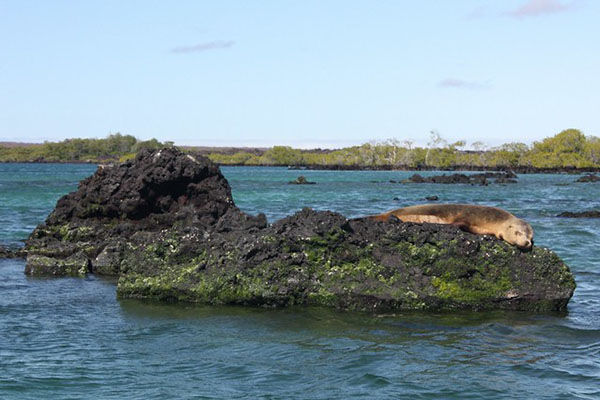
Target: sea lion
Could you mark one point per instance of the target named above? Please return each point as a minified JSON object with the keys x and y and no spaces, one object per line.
{"x":481,"y":220}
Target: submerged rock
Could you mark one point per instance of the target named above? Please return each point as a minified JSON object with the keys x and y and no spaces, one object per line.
{"x":505,"y":180}
{"x":301,"y":180}
{"x":589,"y":178}
{"x":166,"y":225}
{"x":496,"y":175}
{"x":582,"y":214}
{"x":473,"y":179}
{"x":12,"y":252}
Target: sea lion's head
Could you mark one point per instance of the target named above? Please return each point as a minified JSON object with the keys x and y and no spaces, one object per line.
{"x":519,"y":233}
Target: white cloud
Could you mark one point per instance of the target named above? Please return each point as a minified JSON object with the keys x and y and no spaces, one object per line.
{"x":462,"y":84}
{"x":200,"y":47}
{"x":534,"y":8}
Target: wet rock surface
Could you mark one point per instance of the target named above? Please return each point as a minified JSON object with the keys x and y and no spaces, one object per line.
{"x":482,"y":179}
{"x":301,"y":180}
{"x":589,"y":178}
{"x":582,"y":214}
{"x":166,"y":225}
{"x":160,"y":183}
{"x":6,"y":252}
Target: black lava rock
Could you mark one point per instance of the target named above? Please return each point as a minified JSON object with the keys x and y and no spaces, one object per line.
{"x":166,"y":224}
{"x":301,"y":180}
{"x":589,"y":178}
{"x":583,"y":214}
{"x":474,"y":179}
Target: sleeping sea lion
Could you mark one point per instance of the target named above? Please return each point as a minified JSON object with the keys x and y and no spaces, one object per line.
{"x":481,"y":220}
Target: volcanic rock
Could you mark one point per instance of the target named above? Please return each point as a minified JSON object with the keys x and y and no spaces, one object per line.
{"x":6,"y":252}
{"x":166,"y":225}
{"x":589,"y":178}
{"x":505,"y":180}
{"x":583,"y":214}
{"x":496,"y":175}
{"x":473,"y":179}
{"x":301,"y":180}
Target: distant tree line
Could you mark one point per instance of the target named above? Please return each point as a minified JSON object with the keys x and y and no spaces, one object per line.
{"x":115,"y":147}
{"x":568,"y":149}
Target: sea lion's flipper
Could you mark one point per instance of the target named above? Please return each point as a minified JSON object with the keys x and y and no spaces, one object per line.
{"x":462,"y":226}
{"x":380,"y":217}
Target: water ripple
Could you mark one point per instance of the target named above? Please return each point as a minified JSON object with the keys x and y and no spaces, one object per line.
{"x":71,"y":338}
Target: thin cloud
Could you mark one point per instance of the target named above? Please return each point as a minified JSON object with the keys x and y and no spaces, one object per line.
{"x":535,"y":8}
{"x":206,"y":46}
{"x":454,"y":83}
{"x":479,"y":12}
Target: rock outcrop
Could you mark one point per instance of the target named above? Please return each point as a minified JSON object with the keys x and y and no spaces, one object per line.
{"x":589,"y":178}
{"x":582,"y":214}
{"x":301,"y":180}
{"x":159,"y":190}
{"x":167,"y":226}
{"x":6,"y":252}
{"x":473,"y":179}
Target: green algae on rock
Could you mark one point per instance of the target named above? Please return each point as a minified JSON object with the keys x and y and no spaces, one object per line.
{"x":74,"y":265}
{"x":180,"y":237}
{"x":410,"y":267}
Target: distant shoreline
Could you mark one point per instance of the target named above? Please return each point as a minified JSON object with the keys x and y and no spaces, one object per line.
{"x":569,"y":151}
{"x":458,"y":168}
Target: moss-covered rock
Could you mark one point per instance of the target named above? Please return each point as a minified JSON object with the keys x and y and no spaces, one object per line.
{"x":12,"y":252}
{"x":321,"y":258}
{"x":74,"y":265}
{"x":187,"y":249}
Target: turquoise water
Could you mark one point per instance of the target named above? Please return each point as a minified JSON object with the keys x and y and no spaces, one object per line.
{"x":70,"y":338}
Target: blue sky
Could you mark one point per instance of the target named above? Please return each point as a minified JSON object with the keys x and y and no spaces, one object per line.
{"x":301,"y":73}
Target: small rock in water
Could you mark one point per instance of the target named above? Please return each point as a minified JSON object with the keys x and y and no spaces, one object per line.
{"x":474,"y":179}
{"x":588,"y":178}
{"x":301,"y":180}
{"x":505,"y":180}
{"x":11,"y":253}
{"x":432,"y":198}
{"x":583,"y":214}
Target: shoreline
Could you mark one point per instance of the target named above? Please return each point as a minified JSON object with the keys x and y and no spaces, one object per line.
{"x":317,"y":167}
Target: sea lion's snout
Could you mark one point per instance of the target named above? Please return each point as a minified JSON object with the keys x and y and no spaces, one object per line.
{"x":519,"y":234}
{"x":524,"y":242}
{"x":528,"y":240}
{"x":526,"y":245}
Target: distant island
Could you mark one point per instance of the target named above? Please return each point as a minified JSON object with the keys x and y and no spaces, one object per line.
{"x":569,"y":150}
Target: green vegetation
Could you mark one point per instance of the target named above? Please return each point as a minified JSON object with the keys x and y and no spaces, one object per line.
{"x":115,"y":147}
{"x":568,"y":149}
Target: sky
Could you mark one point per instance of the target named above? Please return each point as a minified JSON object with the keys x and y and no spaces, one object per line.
{"x":302,"y":73}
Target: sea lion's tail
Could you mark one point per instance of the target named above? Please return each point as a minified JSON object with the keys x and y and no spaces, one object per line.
{"x":379,"y":217}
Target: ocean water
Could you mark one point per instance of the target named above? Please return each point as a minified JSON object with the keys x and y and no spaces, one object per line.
{"x":70,"y":338}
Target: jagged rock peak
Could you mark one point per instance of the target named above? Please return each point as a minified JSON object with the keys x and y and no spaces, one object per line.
{"x":164,"y":181}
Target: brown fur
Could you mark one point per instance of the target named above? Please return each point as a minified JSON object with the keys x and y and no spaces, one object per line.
{"x":481,"y":220}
